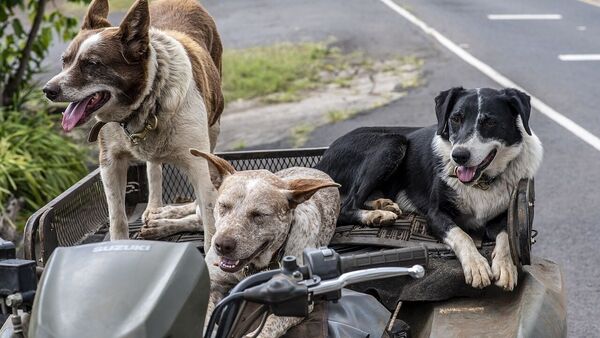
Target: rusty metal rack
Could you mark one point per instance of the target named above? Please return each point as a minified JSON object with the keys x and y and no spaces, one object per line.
{"x":80,"y":215}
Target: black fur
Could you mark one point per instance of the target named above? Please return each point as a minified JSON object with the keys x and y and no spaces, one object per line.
{"x":381,"y":162}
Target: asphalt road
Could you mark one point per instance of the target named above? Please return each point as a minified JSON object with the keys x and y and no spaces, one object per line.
{"x":568,"y":184}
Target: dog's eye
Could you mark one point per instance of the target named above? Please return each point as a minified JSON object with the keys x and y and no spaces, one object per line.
{"x":91,"y":62}
{"x":256,"y":215}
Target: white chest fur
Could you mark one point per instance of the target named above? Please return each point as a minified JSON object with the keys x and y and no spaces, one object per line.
{"x":479,"y":206}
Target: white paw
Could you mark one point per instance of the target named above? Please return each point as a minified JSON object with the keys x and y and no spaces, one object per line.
{"x":379,"y":217}
{"x":146,"y":214}
{"x":477,"y":271}
{"x":505,"y":272}
{"x":387,"y":205}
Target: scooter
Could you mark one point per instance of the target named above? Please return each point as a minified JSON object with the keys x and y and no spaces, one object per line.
{"x":160,"y":289}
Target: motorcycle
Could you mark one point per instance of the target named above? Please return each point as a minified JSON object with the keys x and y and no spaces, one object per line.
{"x":93,"y":291}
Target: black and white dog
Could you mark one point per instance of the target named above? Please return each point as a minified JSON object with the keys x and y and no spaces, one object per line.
{"x":460,"y":174}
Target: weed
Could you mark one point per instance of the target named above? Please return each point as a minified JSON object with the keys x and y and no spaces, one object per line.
{"x":300,"y":134}
{"x":340,"y":115}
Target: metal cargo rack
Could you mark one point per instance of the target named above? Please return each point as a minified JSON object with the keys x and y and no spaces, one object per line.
{"x":80,"y":214}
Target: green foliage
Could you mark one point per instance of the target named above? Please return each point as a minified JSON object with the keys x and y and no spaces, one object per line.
{"x":282,"y":69}
{"x":25,"y":42}
{"x":300,"y":134}
{"x":36,"y":161}
{"x":335,"y":116}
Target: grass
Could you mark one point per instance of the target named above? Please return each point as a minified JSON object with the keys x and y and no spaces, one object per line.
{"x":36,"y":162}
{"x":239,"y":145}
{"x":300,"y":134}
{"x":339,"y":115}
{"x":277,"y":73}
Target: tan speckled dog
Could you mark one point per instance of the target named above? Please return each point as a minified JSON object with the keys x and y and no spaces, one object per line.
{"x":262,"y":216}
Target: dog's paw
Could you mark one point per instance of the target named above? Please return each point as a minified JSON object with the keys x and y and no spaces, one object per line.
{"x":477,"y":271}
{"x":504,"y":271}
{"x":155,"y":230}
{"x":146,"y":215}
{"x":151,"y":233}
{"x":387,"y":205}
{"x":378,"y":217}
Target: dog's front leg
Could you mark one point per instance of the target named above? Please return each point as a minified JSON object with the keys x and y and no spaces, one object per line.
{"x":505,"y":271}
{"x":206,"y":195}
{"x":114,"y":179}
{"x":475,"y":267}
{"x":503,"y":267}
{"x":154,"y":173}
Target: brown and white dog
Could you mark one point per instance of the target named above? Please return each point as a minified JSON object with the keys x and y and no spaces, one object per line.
{"x":262,"y":216}
{"x":154,"y":86}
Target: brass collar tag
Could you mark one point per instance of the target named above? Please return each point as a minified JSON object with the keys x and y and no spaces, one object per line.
{"x":136,"y":138}
{"x":483,"y":182}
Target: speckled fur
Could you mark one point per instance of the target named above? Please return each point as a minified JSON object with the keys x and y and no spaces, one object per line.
{"x":311,"y":223}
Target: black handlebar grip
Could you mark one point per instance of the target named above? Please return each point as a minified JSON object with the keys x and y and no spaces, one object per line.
{"x":395,"y":257}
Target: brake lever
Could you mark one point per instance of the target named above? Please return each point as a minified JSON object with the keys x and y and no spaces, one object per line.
{"x":326,"y":286}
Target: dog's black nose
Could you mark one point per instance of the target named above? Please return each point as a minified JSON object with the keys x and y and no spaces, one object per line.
{"x":225,"y":245}
{"x":461,"y":156}
{"x":52,"y":91}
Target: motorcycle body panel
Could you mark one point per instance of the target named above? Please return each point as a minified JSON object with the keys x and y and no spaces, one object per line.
{"x":122,"y":289}
{"x":536,"y":308}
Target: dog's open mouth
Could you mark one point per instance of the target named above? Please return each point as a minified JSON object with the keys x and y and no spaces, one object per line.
{"x":230,"y":265}
{"x":469,"y":174}
{"x":77,"y":113}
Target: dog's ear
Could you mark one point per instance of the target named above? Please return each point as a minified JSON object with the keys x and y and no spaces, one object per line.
{"x":134,"y":32}
{"x":223,"y":167}
{"x":444,"y":103}
{"x":301,"y":189}
{"x":521,"y":104}
{"x":96,"y":16}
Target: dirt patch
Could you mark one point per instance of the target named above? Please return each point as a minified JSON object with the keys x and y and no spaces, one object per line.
{"x":343,"y":95}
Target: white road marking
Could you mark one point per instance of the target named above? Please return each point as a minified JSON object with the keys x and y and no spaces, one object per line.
{"x":524,"y":16}
{"x":592,"y":2}
{"x":579,"y":57}
{"x":502,"y":80}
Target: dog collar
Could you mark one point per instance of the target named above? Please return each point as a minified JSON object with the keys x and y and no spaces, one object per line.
{"x":135,"y":138}
{"x":93,"y":135}
{"x":141,"y":135}
{"x":483,"y":182}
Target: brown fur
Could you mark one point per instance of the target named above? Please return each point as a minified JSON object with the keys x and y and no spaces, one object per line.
{"x":206,"y":78}
{"x":96,"y":16}
{"x":162,"y":63}
{"x":195,"y":29}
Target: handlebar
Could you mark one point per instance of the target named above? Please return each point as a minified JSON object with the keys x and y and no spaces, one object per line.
{"x":416,"y":271}
{"x":289,"y":291}
{"x":393,"y":257}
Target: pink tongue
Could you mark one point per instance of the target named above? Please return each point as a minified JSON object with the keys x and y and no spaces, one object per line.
{"x":465,"y":174}
{"x":74,"y":113}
